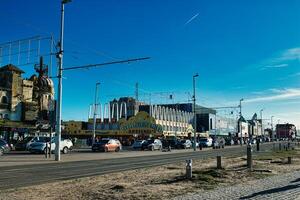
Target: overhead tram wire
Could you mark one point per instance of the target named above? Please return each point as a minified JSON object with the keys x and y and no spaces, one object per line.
{"x":106,"y":63}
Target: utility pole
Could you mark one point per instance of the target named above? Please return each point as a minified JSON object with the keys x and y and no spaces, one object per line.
{"x":240,"y":122}
{"x":95,"y":113}
{"x":137,"y":91}
{"x":194,"y":99}
{"x":60,"y":69}
{"x":272,"y":128}
{"x":261,"y":117}
{"x":278,"y":122}
{"x":216,"y":126}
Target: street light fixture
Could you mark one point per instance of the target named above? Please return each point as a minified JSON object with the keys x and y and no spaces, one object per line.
{"x":60,"y":69}
{"x":241,"y":106}
{"x":59,"y":55}
{"x":194,"y":110}
{"x":272,"y":131}
{"x":95,"y":113}
{"x":240,"y":122}
{"x":261,"y":117}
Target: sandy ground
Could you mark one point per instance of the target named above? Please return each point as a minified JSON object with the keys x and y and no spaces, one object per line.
{"x":162,"y":182}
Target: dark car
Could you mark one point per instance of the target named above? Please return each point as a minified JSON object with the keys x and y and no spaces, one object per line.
{"x":4,"y":147}
{"x":22,"y":145}
{"x":229,"y":141}
{"x":146,"y":144}
{"x":166,"y":145}
{"x":138,"y":144}
{"x":173,"y":143}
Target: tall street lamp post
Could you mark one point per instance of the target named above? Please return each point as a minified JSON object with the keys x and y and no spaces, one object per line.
{"x":95,"y":113}
{"x":278,"y":122}
{"x":194,"y":110}
{"x":60,"y":69}
{"x":261,"y":117}
{"x":272,"y":128}
{"x":240,"y":121}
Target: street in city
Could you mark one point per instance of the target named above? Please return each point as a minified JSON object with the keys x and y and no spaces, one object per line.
{"x":144,"y":99}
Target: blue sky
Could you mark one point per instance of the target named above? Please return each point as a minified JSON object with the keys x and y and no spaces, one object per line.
{"x":241,"y":49}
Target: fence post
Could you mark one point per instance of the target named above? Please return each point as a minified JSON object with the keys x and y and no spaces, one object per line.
{"x":219,"y":162}
{"x":249,"y":157}
{"x":289,"y":160}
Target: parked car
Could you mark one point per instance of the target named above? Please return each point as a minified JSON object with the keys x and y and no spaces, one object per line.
{"x":166,"y":144}
{"x":146,"y":144}
{"x":4,"y":147}
{"x":42,"y":144}
{"x":156,"y":145}
{"x":36,"y":144}
{"x":173,"y":142}
{"x":184,"y":144}
{"x":218,"y":143}
{"x":107,"y":145}
{"x":252,"y":141}
{"x":36,"y":139}
{"x":197,"y":143}
{"x":229,"y":141}
{"x":138,"y":144}
{"x":206,"y":142}
{"x":24,"y":144}
{"x":65,"y":145}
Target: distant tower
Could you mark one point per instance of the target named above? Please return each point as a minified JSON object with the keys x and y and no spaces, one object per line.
{"x":41,"y":68}
{"x":137,"y":91}
{"x":136,"y":109}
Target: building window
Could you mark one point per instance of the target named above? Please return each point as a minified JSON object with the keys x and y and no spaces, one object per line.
{"x":4,"y":100}
{"x":210,"y":123}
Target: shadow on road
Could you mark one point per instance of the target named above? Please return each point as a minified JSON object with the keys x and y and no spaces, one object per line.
{"x":271,"y":191}
{"x":296,"y":180}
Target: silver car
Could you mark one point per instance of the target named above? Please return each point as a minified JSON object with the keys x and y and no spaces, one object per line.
{"x":41,"y":145}
{"x":156,"y":145}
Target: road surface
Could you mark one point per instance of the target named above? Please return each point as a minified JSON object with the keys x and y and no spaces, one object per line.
{"x":27,"y":175}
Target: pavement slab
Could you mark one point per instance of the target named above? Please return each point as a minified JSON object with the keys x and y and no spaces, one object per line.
{"x":281,"y":187}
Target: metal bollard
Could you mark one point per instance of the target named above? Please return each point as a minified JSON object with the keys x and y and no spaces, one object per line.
{"x":46,"y":152}
{"x":249,"y":157}
{"x":188,"y":168}
{"x":219,"y":162}
{"x":257,"y":146}
{"x":289,"y":160}
{"x":279,"y":146}
{"x":200,"y":146}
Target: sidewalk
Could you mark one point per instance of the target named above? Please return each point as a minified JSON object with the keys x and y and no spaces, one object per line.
{"x":283,"y":187}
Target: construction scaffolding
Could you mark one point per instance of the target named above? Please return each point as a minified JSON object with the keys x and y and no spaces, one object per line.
{"x":27,"y":51}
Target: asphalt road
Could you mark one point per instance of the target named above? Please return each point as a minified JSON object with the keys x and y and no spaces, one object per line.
{"x":27,"y":175}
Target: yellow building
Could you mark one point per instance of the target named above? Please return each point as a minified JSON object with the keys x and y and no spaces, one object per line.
{"x":74,"y":128}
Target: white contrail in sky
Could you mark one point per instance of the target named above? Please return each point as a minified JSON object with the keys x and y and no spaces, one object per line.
{"x":191,"y":19}
{"x":285,"y":94}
